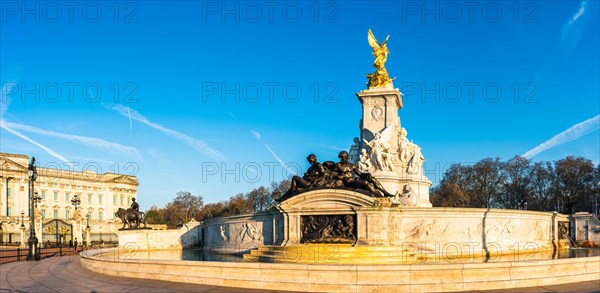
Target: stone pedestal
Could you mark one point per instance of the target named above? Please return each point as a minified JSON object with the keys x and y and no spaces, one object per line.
{"x":380,"y":110}
{"x":77,"y":234}
{"x":23,"y":238}
{"x":396,"y":162}
{"x":585,"y":229}
{"x":38,"y":226}
{"x":88,"y":237}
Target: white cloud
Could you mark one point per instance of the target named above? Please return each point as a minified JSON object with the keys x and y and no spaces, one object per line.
{"x":197,"y":144}
{"x":48,"y":150}
{"x":256,"y":134}
{"x":90,"y":141}
{"x":574,"y":132}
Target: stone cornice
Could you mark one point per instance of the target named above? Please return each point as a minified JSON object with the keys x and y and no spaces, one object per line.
{"x":8,"y":165}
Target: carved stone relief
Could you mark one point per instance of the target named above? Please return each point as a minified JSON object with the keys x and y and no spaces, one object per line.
{"x":328,"y":229}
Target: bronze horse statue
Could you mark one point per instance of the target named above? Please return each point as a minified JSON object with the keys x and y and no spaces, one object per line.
{"x":131,"y":218}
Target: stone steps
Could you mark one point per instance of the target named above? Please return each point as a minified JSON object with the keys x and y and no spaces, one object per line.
{"x":330,"y":253}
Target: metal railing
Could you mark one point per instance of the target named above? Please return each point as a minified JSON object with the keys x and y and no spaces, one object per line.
{"x":9,"y":254}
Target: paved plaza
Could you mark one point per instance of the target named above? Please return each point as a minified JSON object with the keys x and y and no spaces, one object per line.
{"x":65,"y":274}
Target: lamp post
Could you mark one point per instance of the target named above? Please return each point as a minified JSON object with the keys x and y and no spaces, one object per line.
{"x":32,"y":241}
{"x":76,"y":219}
{"x":75,"y":201}
{"x":87,"y":231}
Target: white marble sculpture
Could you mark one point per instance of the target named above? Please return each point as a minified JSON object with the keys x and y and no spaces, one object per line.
{"x":381,"y":153}
{"x":364,"y":162}
{"x":354,"y":153}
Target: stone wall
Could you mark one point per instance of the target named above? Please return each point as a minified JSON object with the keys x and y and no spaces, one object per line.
{"x":451,"y":230}
{"x":236,"y":234}
{"x":585,"y":229}
{"x":428,"y":232}
{"x":187,"y":236}
{"x":353,"y":278}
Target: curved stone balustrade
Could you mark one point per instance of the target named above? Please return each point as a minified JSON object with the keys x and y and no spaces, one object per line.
{"x":352,"y":278}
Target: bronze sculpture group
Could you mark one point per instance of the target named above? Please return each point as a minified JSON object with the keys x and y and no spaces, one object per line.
{"x":328,"y":229}
{"x":330,"y":175}
{"x":132,"y":218}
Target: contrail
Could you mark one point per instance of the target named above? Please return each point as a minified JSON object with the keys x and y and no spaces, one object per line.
{"x":130,"y":123}
{"x":573,"y":28}
{"x":284,"y":165}
{"x":49,"y":151}
{"x":574,"y":18}
{"x":90,"y":141}
{"x":197,"y":144}
{"x":232,"y":116}
{"x":4,"y":99}
{"x":574,"y":132}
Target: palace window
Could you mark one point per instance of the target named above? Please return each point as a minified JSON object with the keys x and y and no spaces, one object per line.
{"x":9,"y":192}
{"x":122,"y":199}
{"x":89,"y":198}
{"x":44,"y":213}
{"x":114,"y":199}
{"x":100,"y":215}
{"x":43,"y":195}
{"x":67,"y":197}
{"x":56,"y":214}
{"x":9,"y":211}
{"x":67,"y":214}
{"x":56,"y":196}
{"x":99,"y":198}
{"x":89,"y":215}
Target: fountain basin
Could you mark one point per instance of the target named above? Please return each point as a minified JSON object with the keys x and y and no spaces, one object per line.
{"x":318,"y":277}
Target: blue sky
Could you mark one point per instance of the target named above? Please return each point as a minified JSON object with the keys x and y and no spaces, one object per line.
{"x":214,"y":97}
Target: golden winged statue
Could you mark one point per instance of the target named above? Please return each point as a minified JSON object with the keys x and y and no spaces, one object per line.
{"x":380,"y":77}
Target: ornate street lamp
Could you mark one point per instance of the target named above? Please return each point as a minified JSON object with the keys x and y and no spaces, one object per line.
{"x":32,"y":253}
{"x":75,"y":201}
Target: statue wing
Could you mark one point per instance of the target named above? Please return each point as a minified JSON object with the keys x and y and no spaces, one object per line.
{"x":372,"y":41}
{"x":387,"y":133}
{"x":368,"y":134}
{"x":385,"y":42}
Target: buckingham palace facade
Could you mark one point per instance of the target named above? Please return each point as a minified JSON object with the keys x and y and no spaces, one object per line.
{"x":100,"y":196}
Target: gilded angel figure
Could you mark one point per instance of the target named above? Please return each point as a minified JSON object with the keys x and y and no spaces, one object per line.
{"x":380,"y":51}
{"x":380,"y":77}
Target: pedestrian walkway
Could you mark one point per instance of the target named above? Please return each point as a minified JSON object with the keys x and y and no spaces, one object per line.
{"x":65,"y":274}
